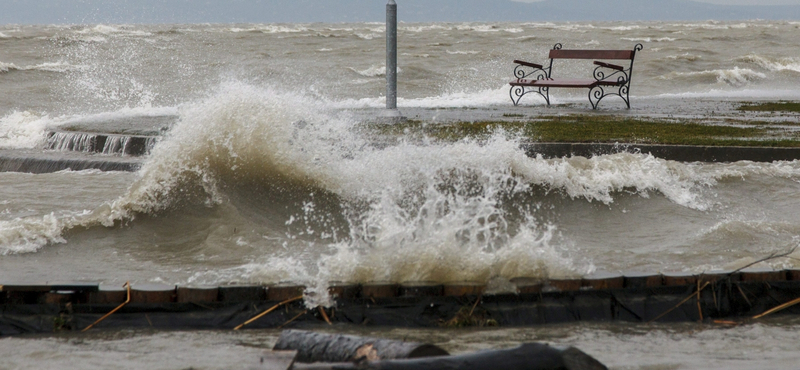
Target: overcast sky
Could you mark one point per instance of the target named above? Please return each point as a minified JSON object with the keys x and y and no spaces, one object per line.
{"x":724,"y":2}
{"x":336,"y":11}
{"x":752,"y":2}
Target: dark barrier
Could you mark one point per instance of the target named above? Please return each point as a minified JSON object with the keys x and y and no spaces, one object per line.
{"x":28,"y":309}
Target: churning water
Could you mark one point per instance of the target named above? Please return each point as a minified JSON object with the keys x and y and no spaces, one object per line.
{"x":263,"y":174}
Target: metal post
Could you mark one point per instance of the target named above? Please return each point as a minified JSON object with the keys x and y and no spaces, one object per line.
{"x":391,"y":62}
{"x":391,"y":55}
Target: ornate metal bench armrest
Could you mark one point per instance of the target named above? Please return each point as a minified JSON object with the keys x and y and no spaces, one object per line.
{"x":609,"y":65}
{"x":533,"y":65}
{"x":620,"y":74}
{"x":530,"y":70}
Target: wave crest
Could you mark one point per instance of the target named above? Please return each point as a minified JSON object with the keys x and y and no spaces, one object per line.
{"x":735,"y":76}
{"x":772,"y":64}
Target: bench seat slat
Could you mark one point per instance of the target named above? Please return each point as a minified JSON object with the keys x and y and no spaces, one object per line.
{"x":565,"y":82}
{"x":591,"y":54}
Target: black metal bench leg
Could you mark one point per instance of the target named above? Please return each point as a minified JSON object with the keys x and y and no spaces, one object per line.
{"x":546,"y":94}
{"x":595,"y":95}
{"x":623,"y":93}
{"x":517,"y":91}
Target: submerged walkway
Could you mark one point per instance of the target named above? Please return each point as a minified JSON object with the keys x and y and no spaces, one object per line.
{"x":120,"y":144}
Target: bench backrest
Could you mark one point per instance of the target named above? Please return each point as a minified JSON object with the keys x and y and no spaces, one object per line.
{"x":591,"y":54}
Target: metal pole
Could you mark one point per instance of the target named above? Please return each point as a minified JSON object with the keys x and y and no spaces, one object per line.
{"x":391,"y":55}
{"x":391,"y":62}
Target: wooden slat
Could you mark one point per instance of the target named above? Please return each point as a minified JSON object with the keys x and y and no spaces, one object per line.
{"x":591,"y":54}
{"x":563,"y":82}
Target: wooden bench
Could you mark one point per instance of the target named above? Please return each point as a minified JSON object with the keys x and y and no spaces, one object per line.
{"x":607,"y":79}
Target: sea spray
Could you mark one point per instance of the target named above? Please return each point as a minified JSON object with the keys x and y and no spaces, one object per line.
{"x":321,"y":202}
{"x":22,"y":130}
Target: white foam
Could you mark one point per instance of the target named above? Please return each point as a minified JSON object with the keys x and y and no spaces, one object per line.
{"x":93,"y":39}
{"x":126,"y":112}
{"x":477,"y":27}
{"x":481,"y":98}
{"x":773,"y":64}
{"x":26,"y":235}
{"x":416,"y":210}
{"x":685,"y":56}
{"x":462,"y":52}
{"x":579,"y":27}
{"x":623,"y":28}
{"x":22,"y":130}
{"x":735,"y":76}
{"x":741,"y":93}
{"x":48,"y":67}
{"x":374,"y":71}
{"x":109,"y":30}
{"x":368,"y":36}
{"x":648,"y":39}
{"x":425,"y":28}
{"x":470,"y":233}
{"x":5,"y":67}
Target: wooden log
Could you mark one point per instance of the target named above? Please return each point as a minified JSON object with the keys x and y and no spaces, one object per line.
{"x":276,"y":360}
{"x":319,"y":347}
{"x":528,"y":356}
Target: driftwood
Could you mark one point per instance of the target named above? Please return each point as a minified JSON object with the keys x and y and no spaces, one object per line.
{"x":319,"y":347}
{"x":528,"y":356}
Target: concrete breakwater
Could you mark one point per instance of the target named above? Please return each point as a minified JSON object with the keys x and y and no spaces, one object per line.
{"x":47,"y":162}
{"x":135,"y":147}
{"x":632,"y":297}
{"x":681,"y":153}
{"x":109,"y":144}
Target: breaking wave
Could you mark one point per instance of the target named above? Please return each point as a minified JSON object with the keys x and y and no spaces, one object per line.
{"x":374,"y":71}
{"x":735,"y":76}
{"x":772,"y":64}
{"x":47,"y":67}
{"x":333,"y":206}
{"x":22,"y":130}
